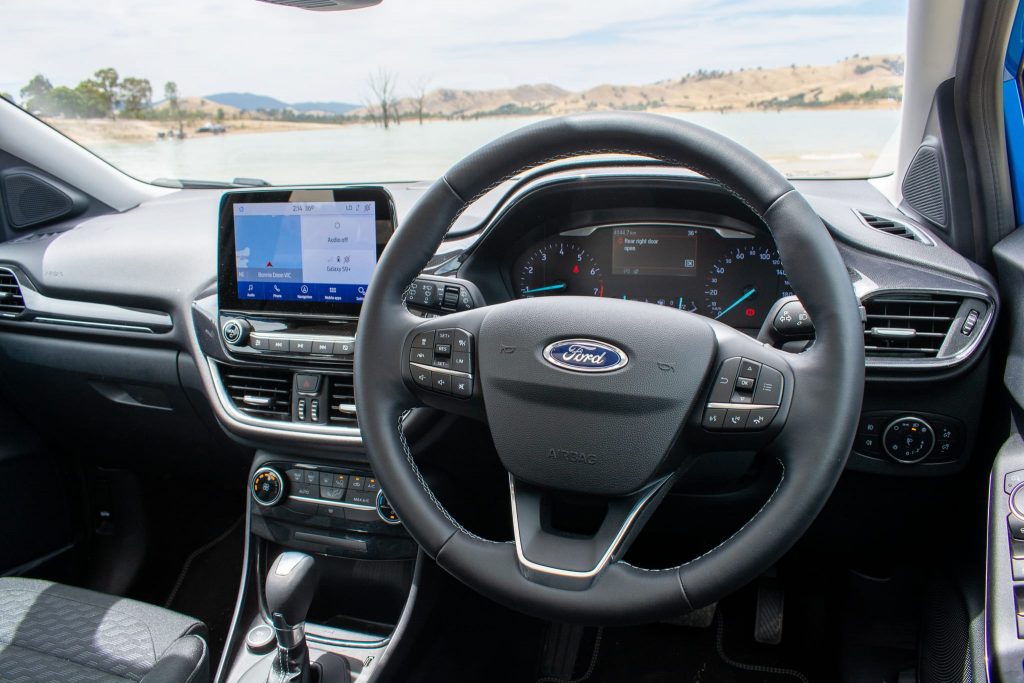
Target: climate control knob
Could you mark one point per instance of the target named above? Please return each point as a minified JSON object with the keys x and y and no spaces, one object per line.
{"x":235,"y":331}
{"x":267,"y":486}
{"x":908,"y":440}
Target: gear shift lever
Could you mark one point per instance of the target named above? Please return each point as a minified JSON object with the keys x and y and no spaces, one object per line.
{"x":291,"y":583}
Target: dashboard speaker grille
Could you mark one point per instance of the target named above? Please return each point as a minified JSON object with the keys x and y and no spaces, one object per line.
{"x":11,"y":301}
{"x":909,"y":325}
{"x":923,"y":186}
{"x":260,"y":392}
{"x":343,"y":401}
{"x":31,"y":200}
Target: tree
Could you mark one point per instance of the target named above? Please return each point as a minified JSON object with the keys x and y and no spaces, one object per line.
{"x":382,"y":85}
{"x":419,"y":96}
{"x":137,"y":95}
{"x":106,"y":85}
{"x":89,"y":101}
{"x":171,"y":95}
{"x":7,"y":96}
{"x":36,"y":93}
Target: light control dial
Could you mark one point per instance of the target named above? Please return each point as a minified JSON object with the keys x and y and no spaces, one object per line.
{"x":908,"y":439}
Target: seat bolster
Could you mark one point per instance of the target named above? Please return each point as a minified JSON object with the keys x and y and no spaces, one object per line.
{"x":186,"y":660}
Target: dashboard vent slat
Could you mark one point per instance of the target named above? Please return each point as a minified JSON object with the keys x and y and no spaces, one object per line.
{"x":893,"y":227}
{"x":260,"y":392}
{"x":903,"y":326}
{"x":11,"y":300}
{"x":343,"y":402}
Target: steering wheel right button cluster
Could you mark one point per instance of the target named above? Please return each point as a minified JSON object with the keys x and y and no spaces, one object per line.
{"x":908,"y":440}
{"x":745,"y":396}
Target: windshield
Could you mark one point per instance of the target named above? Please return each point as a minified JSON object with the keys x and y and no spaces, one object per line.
{"x":225,"y":89}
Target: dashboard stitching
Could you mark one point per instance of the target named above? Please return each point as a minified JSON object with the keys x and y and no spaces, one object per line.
{"x":430,"y":494}
{"x":736,"y":533}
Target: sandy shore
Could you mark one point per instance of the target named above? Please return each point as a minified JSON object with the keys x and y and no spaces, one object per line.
{"x":89,"y":132}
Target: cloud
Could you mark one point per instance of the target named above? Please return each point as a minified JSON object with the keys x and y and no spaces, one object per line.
{"x":209,"y":46}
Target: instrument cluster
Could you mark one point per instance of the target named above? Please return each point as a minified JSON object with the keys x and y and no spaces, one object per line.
{"x":725,"y":274}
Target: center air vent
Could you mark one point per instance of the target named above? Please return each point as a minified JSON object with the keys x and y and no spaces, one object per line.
{"x":908,"y":325}
{"x":11,"y":301}
{"x":893,"y":227}
{"x":343,"y":401}
{"x":260,"y":392}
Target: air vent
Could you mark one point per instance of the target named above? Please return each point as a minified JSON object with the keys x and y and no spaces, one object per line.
{"x":908,"y":326}
{"x":893,"y":227}
{"x":11,"y":301}
{"x":343,"y":401}
{"x":260,"y":392}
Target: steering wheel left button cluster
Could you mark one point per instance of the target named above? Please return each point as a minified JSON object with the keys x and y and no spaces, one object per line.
{"x":442,"y":361}
{"x":745,"y":397}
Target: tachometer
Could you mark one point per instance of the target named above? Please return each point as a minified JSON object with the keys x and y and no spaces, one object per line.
{"x":559,"y":267}
{"x":743,"y":284}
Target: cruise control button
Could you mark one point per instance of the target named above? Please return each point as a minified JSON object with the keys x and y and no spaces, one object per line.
{"x":462,"y":386}
{"x":443,"y":362}
{"x":442,"y":349}
{"x":768,"y":391}
{"x":421,"y":356}
{"x":442,"y":382}
{"x":760,"y":418}
{"x":461,"y":340}
{"x":713,"y":418}
{"x":460,"y":361}
{"x":725,"y":381}
{"x":749,"y":368}
{"x":444,"y":337}
{"x":735,"y":418}
{"x":423,"y":340}
{"x":422,"y":378}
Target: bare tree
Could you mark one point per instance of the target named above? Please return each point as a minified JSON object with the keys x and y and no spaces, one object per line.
{"x":419,"y":95}
{"x":382,"y":85}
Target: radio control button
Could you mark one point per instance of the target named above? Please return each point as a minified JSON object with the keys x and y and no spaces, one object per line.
{"x":422,"y":378}
{"x":462,"y":386}
{"x":322,"y":346}
{"x":259,"y":343}
{"x":299,"y":345}
{"x":442,"y":382}
{"x":278,"y":344}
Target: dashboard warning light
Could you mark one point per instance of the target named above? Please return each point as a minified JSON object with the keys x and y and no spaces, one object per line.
{"x":750,"y":312}
{"x":575,"y":268}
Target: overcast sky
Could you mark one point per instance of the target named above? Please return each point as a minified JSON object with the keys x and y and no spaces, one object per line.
{"x":210,"y":46}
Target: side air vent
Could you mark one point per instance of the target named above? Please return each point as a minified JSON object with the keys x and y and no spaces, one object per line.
{"x":260,"y":392}
{"x":908,"y":326}
{"x":11,"y":301}
{"x":893,"y":227}
{"x":343,"y":401}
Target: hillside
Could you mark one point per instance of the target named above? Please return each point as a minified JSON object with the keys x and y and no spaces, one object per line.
{"x":203,"y":105}
{"x":856,"y":81}
{"x":246,"y":101}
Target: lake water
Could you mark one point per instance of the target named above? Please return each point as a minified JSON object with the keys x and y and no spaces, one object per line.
{"x":838,"y":143}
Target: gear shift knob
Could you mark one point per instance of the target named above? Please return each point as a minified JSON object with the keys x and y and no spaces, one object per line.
{"x":291,"y":583}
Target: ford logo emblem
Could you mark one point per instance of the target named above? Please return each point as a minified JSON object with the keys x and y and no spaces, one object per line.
{"x":585,"y":355}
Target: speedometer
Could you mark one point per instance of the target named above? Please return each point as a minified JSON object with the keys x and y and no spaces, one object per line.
{"x":743,"y":284}
{"x":559,"y":267}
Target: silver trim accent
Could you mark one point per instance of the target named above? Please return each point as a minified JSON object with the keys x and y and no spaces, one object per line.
{"x":380,"y":495}
{"x":550,"y":357}
{"x":605,"y":558}
{"x":333,"y":503}
{"x":280,"y":490}
{"x":751,"y":406}
{"x":726,"y":233}
{"x":93,"y":325}
{"x":289,"y":560}
{"x":444,"y":370}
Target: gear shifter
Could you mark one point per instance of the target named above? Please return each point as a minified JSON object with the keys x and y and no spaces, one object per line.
{"x":291,"y":583}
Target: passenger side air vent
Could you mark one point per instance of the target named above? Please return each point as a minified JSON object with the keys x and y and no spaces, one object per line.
{"x":893,"y":227}
{"x":343,"y":401}
{"x":908,"y":325}
{"x":260,"y":392}
{"x":11,"y":301}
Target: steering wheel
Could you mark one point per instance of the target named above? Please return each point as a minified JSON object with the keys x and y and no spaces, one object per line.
{"x":609,"y":400}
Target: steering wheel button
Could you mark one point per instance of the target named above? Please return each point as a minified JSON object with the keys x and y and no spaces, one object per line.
{"x":462,"y":386}
{"x":423,"y":340}
{"x":422,"y":378}
{"x":713,"y":418}
{"x":444,"y":337}
{"x":769,"y":387}
{"x":725,"y":381}
{"x":749,"y":368}
{"x":462,"y":341}
{"x":744,"y":384}
{"x":460,"y":361}
{"x":442,"y":362}
{"x":442,"y":382}
{"x":760,"y":418}
{"x":422,"y":356}
{"x":741,"y":397}
{"x":442,"y":349}
{"x":735,"y":419}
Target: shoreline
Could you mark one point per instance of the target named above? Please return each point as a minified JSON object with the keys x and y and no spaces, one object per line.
{"x":92,"y":132}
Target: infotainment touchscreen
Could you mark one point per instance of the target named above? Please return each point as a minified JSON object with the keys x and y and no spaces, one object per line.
{"x":305,"y":251}
{"x":301,"y":250}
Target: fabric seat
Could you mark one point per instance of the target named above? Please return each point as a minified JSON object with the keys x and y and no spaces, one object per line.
{"x":50,"y":632}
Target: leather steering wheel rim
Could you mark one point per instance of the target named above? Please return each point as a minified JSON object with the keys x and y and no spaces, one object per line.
{"x":823,"y":407}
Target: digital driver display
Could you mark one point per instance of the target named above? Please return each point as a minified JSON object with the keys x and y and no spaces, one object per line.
{"x":316,"y":252}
